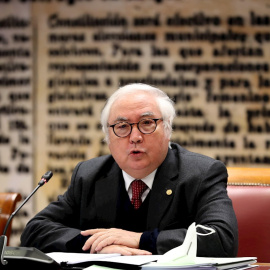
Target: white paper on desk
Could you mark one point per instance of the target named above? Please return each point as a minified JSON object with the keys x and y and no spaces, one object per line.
{"x":74,"y":258}
{"x":98,"y":267}
{"x":228,"y":263}
{"x":134,"y":259}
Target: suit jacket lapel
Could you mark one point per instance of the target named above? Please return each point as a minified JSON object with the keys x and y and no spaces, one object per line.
{"x":107,"y":192}
{"x":106,"y":196}
{"x":163,"y":190}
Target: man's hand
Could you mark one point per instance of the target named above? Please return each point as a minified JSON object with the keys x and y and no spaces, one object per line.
{"x":102,"y":238}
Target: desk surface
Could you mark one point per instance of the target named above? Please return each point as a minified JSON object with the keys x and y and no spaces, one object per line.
{"x":262,"y":266}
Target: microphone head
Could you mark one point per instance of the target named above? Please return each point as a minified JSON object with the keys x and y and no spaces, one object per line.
{"x":45,"y":178}
{"x":48,"y":175}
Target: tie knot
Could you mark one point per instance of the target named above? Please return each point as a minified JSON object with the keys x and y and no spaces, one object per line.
{"x":138,"y":188}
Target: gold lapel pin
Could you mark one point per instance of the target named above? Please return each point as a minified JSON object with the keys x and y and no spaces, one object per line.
{"x":169,"y":192}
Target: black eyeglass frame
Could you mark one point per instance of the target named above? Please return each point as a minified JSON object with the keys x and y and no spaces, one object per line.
{"x":131,"y":126}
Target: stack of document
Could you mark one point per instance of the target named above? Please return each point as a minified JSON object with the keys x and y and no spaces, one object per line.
{"x":205,"y":263}
{"x":148,"y":262}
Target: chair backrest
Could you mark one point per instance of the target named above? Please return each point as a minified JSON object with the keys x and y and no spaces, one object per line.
{"x":249,"y":189}
{"x":8,"y":201}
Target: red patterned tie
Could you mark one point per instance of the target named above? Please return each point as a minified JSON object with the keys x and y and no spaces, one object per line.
{"x":138,"y":188}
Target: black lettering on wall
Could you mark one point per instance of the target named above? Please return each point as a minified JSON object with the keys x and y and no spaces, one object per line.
{"x":58,"y":69}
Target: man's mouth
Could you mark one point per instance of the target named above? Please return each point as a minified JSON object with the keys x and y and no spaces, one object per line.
{"x":135,"y":152}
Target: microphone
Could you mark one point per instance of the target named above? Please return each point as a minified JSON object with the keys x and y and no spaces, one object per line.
{"x":22,"y":256}
{"x":44,"y":179}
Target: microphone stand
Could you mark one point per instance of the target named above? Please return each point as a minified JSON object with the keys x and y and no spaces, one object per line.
{"x":3,"y":238}
{"x":3,"y":243}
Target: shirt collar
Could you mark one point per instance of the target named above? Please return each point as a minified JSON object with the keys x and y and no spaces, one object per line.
{"x":148,"y":180}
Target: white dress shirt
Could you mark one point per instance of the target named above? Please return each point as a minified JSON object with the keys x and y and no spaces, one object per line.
{"x":148,"y":180}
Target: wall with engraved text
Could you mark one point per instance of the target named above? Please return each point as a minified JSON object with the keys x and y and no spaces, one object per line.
{"x":60,"y":60}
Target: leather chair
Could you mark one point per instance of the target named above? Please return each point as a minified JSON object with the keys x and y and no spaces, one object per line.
{"x":8,"y":203}
{"x":249,"y":189}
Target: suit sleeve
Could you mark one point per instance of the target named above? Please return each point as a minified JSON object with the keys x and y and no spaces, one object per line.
{"x":209,"y":205}
{"x":58,"y":224}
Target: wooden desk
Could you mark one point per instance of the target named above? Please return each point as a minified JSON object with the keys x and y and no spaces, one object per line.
{"x":262,"y":266}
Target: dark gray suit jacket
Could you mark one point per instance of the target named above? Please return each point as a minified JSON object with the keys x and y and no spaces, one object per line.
{"x":198,"y":184}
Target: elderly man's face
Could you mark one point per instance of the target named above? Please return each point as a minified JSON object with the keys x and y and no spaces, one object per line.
{"x":137,"y":154}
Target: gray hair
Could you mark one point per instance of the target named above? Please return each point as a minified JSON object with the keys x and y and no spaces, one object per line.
{"x":165,"y":104}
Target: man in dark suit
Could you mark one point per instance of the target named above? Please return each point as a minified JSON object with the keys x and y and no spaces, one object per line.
{"x":180,"y":187}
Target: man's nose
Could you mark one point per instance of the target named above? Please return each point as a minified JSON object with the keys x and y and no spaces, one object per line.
{"x":135,"y":135}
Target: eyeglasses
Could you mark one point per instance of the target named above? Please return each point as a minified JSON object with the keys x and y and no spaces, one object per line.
{"x":145,"y":126}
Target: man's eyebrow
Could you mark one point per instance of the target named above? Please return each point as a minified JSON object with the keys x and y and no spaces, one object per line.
{"x":125,"y":119}
{"x":147,"y":114}
{"x":120,"y":118}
